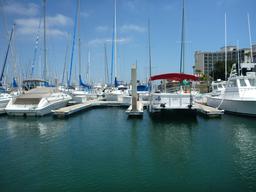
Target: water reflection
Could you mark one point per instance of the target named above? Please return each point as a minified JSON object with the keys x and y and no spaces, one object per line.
{"x":44,"y":127}
{"x":244,"y":138}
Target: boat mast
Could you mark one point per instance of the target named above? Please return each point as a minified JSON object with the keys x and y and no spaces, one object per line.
{"x":89,"y":65}
{"x":250,"y":36}
{"x":73,"y":46}
{"x":6,"y":55}
{"x":182,"y":50}
{"x":79,"y":40}
{"x":149,"y":54}
{"x":115,"y":42}
{"x":45,"y":61}
{"x":106,"y":64}
{"x":226,"y":54}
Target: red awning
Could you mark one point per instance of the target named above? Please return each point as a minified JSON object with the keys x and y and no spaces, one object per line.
{"x":174,"y":76}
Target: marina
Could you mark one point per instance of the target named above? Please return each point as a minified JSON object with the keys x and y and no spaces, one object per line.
{"x":125,"y":95}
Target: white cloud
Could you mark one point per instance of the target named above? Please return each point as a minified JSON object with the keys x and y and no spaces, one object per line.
{"x":85,"y":14}
{"x":58,"y":20}
{"x":102,"y":28}
{"x":54,"y":24}
{"x":132,"y":28}
{"x":101,"y":41}
{"x":18,"y":8}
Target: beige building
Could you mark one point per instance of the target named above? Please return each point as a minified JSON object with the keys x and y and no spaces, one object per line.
{"x":205,"y":61}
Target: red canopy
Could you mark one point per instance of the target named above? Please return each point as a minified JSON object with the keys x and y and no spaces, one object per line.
{"x":174,"y":76}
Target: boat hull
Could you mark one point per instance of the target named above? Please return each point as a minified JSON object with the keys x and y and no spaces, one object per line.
{"x":241,"y":107}
{"x":34,"y":111}
{"x":4,"y":102}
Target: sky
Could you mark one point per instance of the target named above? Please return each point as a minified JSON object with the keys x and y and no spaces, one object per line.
{"x":204,"y":30}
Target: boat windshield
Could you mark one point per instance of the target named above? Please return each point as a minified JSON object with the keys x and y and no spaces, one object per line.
{"x":220,"y":86}
{"x":252,"y":82}
{"x":232,"y":83}
{"x":30,"y":84}
{"x":242,"y":83}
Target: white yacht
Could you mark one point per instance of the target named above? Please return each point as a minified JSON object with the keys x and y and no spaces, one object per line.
{"x":4,"y":99}
{"x":81,"y":96}
{"x":119,"y":94}
{"x":239,"y":94}
{"x":143,"y":92}
{"x":37,"y":102}
{"x":174,"y":99}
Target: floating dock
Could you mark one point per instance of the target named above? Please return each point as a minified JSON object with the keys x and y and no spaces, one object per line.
{"x":69,"y":110}
{"x":208,"y":111}
{"x":136,"y":113}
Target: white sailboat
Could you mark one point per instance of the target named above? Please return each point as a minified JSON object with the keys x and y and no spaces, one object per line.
{"x":119,"y":93}
{"x":5,"y":97}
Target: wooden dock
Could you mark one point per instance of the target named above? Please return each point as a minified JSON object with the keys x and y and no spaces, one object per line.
{"x":208,"y":111}
{"x":72,"y":109}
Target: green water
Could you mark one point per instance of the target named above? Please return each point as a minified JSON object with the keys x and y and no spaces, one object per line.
{"x":102,"y":150}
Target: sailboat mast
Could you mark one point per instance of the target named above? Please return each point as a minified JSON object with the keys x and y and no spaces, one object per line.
{"x":72,"y":51}
{"x":226,"y":54}
{"x":45,"y":61}
{"x":6,"y":56}
{"x":250,"y":36}
{"x":88,"y":66}
{"x":79,"y":40}
{"x":115,"y":42}
{"x":149,"y":53}
{"x":106,"y":64}
{"x":182,"y":51}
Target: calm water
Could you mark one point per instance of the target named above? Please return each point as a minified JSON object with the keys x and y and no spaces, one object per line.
{"x":102,"y":150}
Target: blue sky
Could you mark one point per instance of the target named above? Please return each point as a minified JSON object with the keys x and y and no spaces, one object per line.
{"x":204,"y":30}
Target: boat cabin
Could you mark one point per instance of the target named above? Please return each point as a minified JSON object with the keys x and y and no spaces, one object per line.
{"x":33,"y":83}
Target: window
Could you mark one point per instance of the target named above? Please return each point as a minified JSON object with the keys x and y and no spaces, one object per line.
{"x":232,"y":83}
{"x":242,"y":83}
{"x":252,"y":82}
{"x":220,"y":86}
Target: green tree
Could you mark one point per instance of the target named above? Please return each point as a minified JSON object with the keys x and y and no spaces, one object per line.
{"x":219,"y":69}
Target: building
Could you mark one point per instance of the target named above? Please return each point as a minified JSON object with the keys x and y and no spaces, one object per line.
{"x":205,"y":61}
